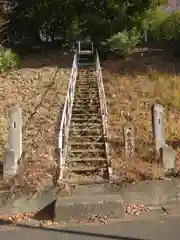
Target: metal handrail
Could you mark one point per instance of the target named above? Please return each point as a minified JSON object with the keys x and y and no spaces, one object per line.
{"x":103,"y":106}
{"x":66,"y":117}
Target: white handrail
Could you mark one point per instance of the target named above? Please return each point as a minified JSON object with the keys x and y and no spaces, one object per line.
{"x":66,"y":117}
{"x":103,"y":106}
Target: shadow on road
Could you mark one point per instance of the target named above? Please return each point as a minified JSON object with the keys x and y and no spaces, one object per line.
{"x":81,"y":233}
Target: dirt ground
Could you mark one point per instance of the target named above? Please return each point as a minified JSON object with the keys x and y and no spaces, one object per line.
{"x":39,"y":88}
{"x":132,"y":85}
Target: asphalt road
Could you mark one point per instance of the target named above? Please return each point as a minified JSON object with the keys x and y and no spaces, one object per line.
{"x":160,"y":228}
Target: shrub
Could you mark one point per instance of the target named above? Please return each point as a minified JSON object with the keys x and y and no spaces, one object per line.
{"x":8,"y":59}
{"x":171,"y":27}
{"x":153,"y":21}
{"x":124,"y":42}
{"x":161,"y":25}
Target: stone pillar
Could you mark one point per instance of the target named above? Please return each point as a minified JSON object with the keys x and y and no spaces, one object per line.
{"x":158,"y":126}
{"x":14,"y":151}
{"x":129,"y":140}
{"x":165,"y":153}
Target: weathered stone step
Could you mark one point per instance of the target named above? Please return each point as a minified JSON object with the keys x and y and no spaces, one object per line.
{"x":87,"y":103}
{"x":90,"y":75}
{"x":88,"y":126}
{"x":87,"y":99}
{"x":84,"y":164}
{"x":3,"y":186}
{"x":87,"y":160}
{"x":87,"y":138}
{"x":85,"y":64}
{"x":87,"y":89}
{"x":82,"y":121}
{"x":85,"y":111}
{"x":84,"y":89}
{"x":87,"y":145}
{"x":81,"y":153}
{"x":90,"y":132}
{"x":81,"y":104}
{"x":87,"y":116}
{"x":86,"y":108}
{"x":86,"y":81}
{"x":86,"y":85}
{"x":86,"y":93}
{"x":85,"y":169}
{"x":92,"y":100}
{"x":85,"y":124}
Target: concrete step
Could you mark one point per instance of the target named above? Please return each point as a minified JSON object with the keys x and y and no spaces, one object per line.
{"x":77,"y":208}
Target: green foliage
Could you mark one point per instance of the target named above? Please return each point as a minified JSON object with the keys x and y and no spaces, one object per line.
{"x":70,"y":19}
{"x":8,"y":59}
{"x":171,"y":26}
{"x":161,"y":25}
{"x":153,"y":21}
{"x":124,"y":42}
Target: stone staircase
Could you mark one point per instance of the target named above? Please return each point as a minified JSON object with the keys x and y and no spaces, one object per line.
{"x":86,"y":158}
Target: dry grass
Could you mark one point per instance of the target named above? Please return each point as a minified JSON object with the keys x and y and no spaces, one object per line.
{"x":39,"y":87}
{"x":132,"y":86}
